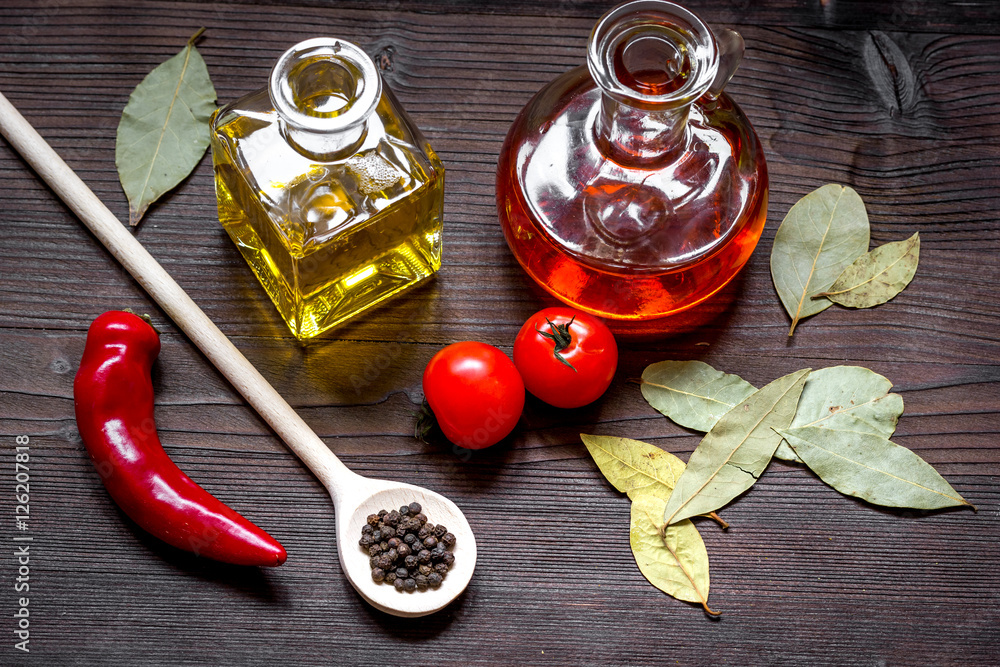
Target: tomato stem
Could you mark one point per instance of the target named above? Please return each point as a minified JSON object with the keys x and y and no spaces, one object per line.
{"x":426,"y":423}
{"x":560,"y":337}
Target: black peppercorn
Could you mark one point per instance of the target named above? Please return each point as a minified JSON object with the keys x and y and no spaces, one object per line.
{"x":405,"y":549}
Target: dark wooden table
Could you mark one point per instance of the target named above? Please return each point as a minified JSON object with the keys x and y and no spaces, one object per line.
{"x":805,"y":576}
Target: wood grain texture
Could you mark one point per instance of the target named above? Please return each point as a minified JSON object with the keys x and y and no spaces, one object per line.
{"x":805,"y":576}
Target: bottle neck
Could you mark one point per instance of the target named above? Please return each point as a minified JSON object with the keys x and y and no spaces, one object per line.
{"x":324,"y":91}
{"x":652,"y":60}
{"x":633,"y":136}
{"x":324,"y":146}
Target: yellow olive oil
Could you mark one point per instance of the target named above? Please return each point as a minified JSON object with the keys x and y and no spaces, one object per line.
{"x":331,"y":223}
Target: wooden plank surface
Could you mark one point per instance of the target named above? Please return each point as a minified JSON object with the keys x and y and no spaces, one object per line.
{"x":805,"y":576}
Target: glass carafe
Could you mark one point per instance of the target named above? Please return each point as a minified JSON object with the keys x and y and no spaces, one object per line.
{"x":633,"y":187}
{"x":326,"y":186}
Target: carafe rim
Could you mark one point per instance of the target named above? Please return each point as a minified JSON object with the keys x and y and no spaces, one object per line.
{"x":629,"y":21}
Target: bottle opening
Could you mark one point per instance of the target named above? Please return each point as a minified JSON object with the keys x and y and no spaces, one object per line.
{"x":652,"y":64}
{"x":323,"y":88}
{"x":652,"y":51}
{"x":324,"y":85}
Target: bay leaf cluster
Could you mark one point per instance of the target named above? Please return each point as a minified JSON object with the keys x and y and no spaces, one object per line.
{"x":837,"y":421}
{"x":820,"y":256}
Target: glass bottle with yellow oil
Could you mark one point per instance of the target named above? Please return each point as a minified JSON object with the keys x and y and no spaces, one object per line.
{"x":327,"y":187}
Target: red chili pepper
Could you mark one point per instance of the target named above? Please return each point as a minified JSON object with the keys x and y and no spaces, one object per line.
{"x":113,"y":393}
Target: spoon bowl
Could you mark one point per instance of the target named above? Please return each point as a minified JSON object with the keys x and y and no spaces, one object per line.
{"x":372,"y":495}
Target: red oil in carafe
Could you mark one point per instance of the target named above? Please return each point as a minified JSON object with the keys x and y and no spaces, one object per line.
{"x":634,"y":188}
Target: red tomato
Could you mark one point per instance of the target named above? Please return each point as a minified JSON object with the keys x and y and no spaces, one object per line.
{"x":474,"y":392}
{"x":566,"y":357}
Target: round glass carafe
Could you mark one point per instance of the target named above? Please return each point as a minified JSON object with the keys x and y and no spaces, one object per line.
{"x":634,"y":188}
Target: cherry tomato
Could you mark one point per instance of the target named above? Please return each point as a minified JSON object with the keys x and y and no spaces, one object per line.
{"x":475,"y":393}
{"x":566,"y":357}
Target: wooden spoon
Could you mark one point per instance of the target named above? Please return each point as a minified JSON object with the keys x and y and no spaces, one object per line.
{"x":354,"y":496}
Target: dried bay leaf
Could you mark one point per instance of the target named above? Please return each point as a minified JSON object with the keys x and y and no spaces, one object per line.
{"x":676,"y":562}
{"x":872,"y":468}
{"x":847,"y":399}
{"x":843,"y":398}
{"x":877,"y":276}
{"x":692,"y":393}
{"x":634,"y":467}
{"x":820,"y":236}
{"x":735,"y":452}
{"x":163,"y":132}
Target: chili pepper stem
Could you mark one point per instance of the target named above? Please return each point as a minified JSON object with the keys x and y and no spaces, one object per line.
{"x":145,"y":316}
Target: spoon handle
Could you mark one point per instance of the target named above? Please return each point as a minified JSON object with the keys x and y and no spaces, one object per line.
{"x":173,"y":299}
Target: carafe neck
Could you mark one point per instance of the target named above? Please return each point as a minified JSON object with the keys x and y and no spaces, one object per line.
{"x":652,"y":60}
{"x":634,"y":136}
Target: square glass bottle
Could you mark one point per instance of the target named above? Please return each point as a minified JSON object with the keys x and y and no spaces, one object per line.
{"x":328,"y":189}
